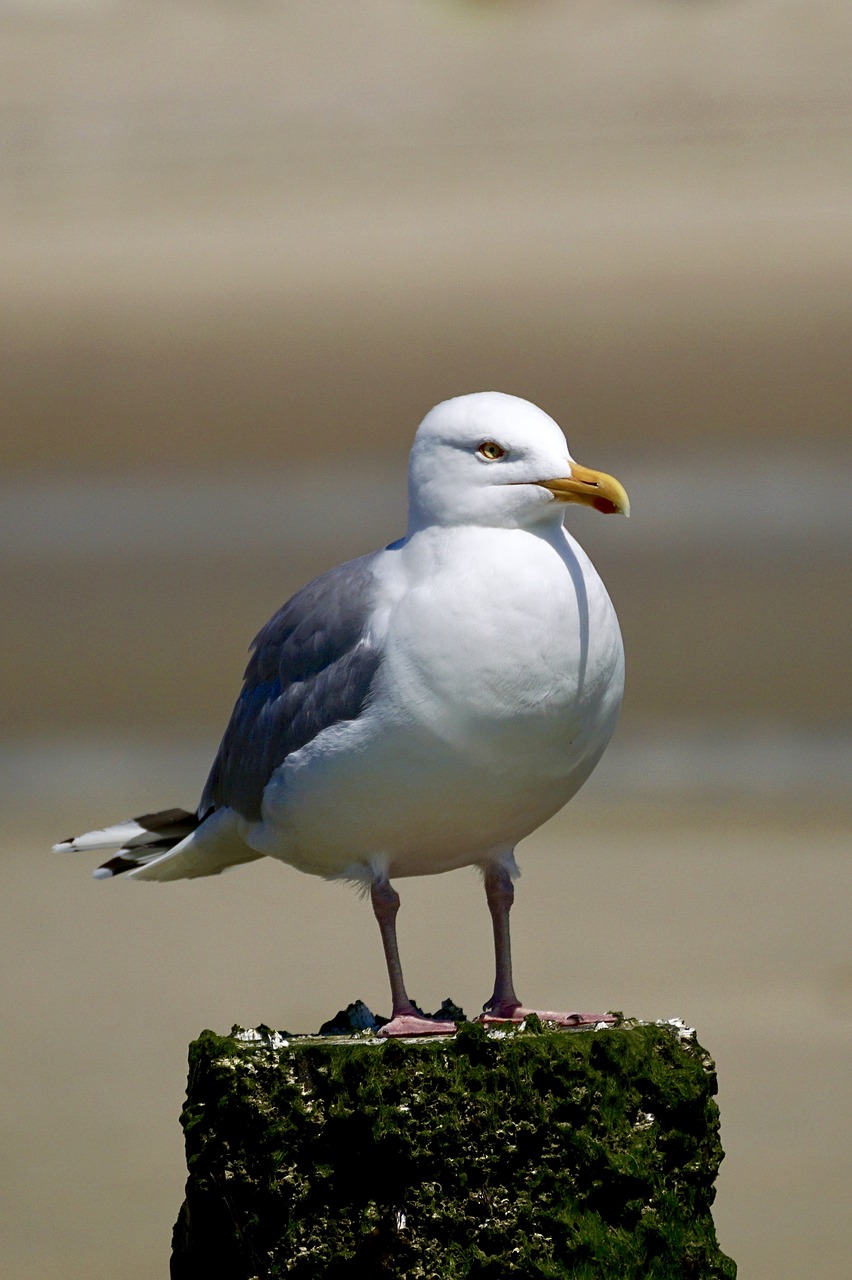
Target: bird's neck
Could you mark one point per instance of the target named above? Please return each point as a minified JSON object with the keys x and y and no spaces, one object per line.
{"x":439,"y":545}
{"x":544,"y":522}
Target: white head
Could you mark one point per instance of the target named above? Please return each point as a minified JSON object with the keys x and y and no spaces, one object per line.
{"x":494,"y":459}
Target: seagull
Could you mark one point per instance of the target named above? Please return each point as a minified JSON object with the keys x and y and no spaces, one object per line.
{"x":424,"y":707}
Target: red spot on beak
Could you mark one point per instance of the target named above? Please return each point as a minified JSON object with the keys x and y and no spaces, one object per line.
{"x":605,"y":506}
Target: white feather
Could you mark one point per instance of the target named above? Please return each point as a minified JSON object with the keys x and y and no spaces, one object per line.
{"x":120,"y":833}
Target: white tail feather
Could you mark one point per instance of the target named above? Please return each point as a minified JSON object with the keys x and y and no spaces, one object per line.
{"x":170,"y":845}
{"x":121,"y":833}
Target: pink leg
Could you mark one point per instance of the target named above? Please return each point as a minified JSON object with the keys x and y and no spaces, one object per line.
{"x":500,"y":894}
{"x":504,"y":1005}
{"x":405,"y":1020}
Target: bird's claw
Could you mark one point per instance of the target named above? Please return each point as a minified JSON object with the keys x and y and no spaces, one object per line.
{"x":517,"y":1013}
{"x":412,"y":1024}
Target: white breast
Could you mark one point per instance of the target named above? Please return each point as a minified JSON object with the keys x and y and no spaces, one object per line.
{"x":505,"y":633}
{"x":499,"y":688}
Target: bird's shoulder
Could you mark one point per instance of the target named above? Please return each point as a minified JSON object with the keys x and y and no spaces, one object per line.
{"x":319,"y":623}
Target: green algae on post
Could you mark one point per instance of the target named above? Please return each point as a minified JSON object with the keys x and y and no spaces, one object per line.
{"x":491,"y":1154}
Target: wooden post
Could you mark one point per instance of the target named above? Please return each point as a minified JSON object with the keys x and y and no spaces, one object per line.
{"x":519,"y":1153}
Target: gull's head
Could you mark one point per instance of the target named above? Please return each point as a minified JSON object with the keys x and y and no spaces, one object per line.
{"x":494,"y":459}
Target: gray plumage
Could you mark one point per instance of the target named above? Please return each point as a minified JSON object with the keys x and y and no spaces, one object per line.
{"x":312,"y":666}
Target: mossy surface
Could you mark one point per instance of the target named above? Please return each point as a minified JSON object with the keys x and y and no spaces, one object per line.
{"x":536,"y":1153}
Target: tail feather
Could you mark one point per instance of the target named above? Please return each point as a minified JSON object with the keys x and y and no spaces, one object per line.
{"x":132,"y":859}
{"x":139,"y":840}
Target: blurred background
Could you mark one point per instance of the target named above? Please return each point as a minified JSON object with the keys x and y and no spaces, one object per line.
{"x":244,"y":248}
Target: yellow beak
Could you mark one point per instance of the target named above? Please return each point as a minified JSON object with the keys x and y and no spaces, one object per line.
{"x":591,"y":489}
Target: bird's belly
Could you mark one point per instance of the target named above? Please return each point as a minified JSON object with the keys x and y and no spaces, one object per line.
{"x":415,"y":804}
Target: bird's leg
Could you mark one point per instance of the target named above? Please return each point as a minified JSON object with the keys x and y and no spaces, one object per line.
{"x":500,"y":894}
{"x":405,"y":1020}
{"x":385,"y":901}
{"x":504,"y":1005}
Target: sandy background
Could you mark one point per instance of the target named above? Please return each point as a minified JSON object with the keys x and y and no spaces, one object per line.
{"x":243,"y":249}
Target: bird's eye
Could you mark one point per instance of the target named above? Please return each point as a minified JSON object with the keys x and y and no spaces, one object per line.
{"x":491,"y":450}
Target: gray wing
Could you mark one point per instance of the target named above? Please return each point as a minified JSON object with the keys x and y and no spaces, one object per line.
{"x":312,"y":666}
